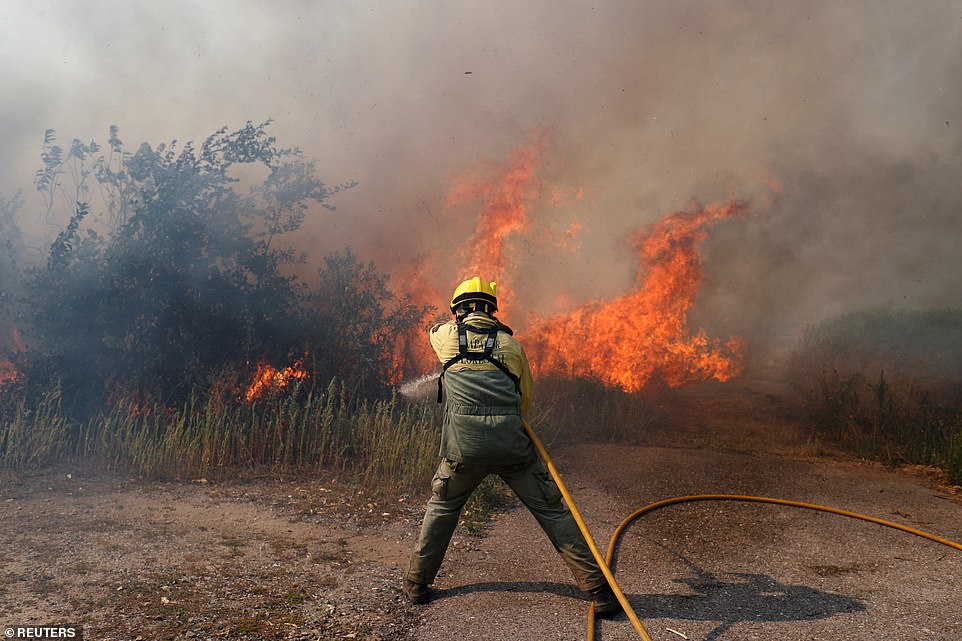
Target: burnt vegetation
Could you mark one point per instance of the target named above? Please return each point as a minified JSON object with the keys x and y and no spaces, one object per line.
{"x":160,"y":295}
{"x":170,"y":280}
{"x":187,"y":279}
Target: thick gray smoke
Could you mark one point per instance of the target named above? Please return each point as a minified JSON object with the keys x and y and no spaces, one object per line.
{"x":854,"y":109}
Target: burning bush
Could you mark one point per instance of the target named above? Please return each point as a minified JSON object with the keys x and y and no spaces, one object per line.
{"x":183,"y":276}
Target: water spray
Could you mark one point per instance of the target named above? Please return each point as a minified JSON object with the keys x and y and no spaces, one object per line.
{"x":420,"y":387}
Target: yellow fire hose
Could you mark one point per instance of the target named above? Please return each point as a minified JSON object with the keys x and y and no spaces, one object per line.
{"x":605,"y":563}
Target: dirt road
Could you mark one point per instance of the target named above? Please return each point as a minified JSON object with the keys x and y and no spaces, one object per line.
{"x":310,"y":558}
{"x":720,"y":571}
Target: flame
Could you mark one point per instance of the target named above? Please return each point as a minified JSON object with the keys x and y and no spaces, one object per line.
{"x":412,"y":354}
{"x":8,"y":371}
{"x":629,"y":339}
{"x":268,"y":380}
{"x":504,"y":197}
{"x":501,"y":197}
{"x":624,"y":341}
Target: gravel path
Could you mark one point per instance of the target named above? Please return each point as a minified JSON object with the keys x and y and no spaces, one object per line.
{"x":719,"y":571}
{"x":311,"y":559}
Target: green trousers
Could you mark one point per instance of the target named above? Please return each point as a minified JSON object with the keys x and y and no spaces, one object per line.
{"x":452,"y":485}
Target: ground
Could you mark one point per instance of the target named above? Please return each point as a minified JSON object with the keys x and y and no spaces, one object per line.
{"x":301,"y":557}
{"x":257,"y":558}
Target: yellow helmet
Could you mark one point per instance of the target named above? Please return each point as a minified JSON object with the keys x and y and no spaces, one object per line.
{"x":476,"y":290}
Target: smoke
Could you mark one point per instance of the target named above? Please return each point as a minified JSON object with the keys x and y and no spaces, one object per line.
{"x":854,"y":109}
{"x":866,"y":231}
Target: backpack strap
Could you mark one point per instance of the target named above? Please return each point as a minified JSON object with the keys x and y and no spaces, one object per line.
{"x":489,"y":344}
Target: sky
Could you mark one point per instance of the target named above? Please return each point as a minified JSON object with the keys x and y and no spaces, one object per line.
{"x":853,"y":108}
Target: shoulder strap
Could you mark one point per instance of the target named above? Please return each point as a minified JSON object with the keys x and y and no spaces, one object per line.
{"x":489,"y":344}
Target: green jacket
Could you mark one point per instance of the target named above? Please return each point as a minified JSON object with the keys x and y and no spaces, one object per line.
{"x":483,"y":408}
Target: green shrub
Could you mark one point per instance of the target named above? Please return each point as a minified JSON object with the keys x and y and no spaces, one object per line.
{"x":178,"y":272}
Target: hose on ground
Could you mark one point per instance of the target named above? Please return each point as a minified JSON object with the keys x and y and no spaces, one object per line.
{"x":606,"y":562}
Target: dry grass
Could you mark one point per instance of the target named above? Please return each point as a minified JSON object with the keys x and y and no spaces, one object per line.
{"x":386,"y":443}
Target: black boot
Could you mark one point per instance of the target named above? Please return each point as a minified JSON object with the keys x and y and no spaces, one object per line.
{"x":605,"y":601}
{"x":417,"y":593}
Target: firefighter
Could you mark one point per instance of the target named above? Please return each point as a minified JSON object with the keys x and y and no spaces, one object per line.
{"x":487,"y":389}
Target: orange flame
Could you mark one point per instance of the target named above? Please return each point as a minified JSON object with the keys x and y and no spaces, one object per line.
{"x":624,"y":341}
{"x":504,"y":199}
{"x":268,"y":380}
{"x":8,"y":371}
{"x":629,"y":339}
{"x":412,"y":352}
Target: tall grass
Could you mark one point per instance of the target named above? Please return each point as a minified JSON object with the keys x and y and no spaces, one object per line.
{"x":34,"y":434}
{"x":386,"y":443}
{"x":390,"y":443}
{"x":886,"y":385}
